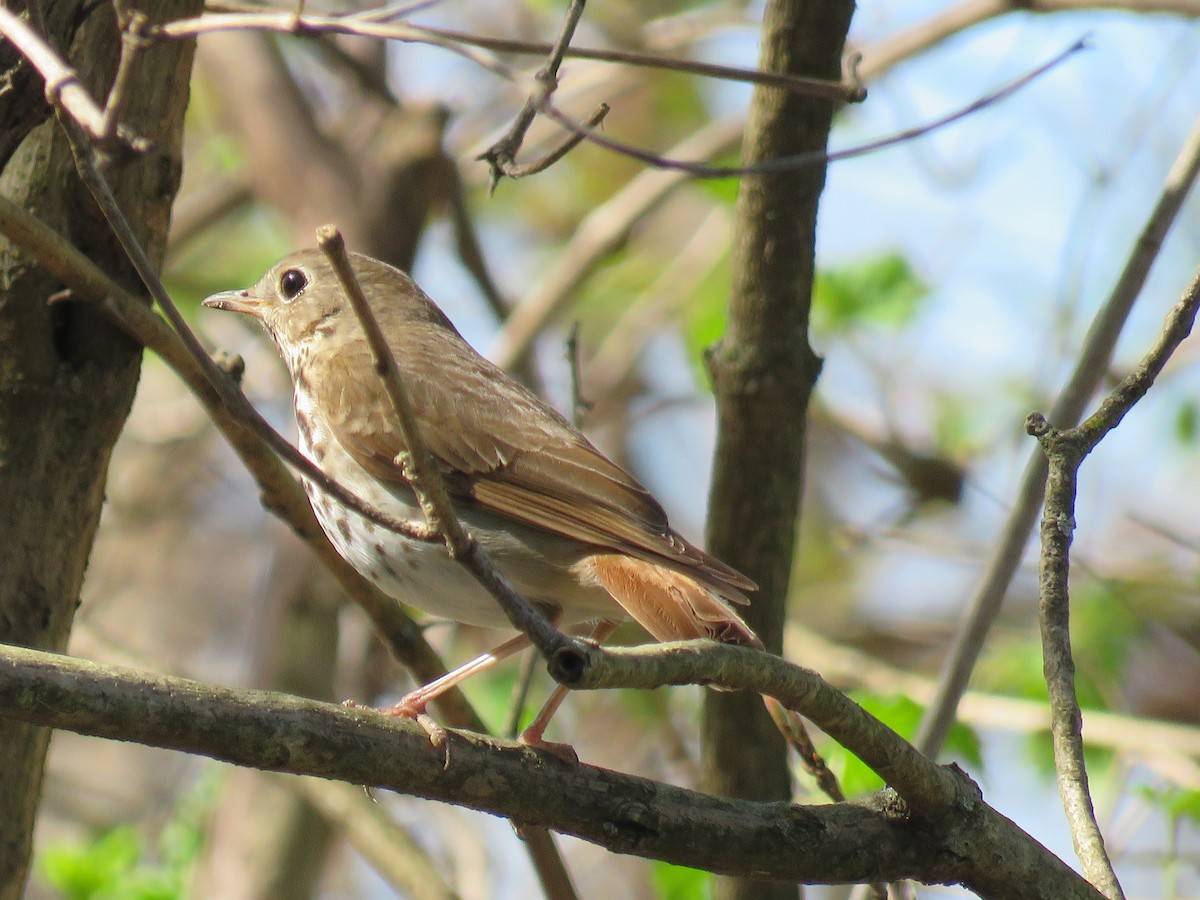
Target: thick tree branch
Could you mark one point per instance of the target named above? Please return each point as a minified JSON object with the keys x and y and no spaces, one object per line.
{"x":763,"y":372}
{"x":923,"y":784}
{"x":970,"y":844}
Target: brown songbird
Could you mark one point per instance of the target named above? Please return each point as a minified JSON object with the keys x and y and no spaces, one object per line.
{"x":572,"y":531}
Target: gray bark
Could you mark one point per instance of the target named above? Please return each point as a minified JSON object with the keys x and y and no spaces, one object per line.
{"x":67,"y":378}
{"x":763,"y":373}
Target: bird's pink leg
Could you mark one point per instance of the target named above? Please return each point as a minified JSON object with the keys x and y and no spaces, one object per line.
{"x":412,"y":705}
{"x":533,"y":735}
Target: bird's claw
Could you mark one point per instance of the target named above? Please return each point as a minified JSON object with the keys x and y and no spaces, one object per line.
{"x":564,"y":752}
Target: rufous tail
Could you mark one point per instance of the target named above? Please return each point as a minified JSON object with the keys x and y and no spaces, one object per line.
{"x":668,"y":604}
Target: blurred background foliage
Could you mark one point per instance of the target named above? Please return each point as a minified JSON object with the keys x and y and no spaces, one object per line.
{"x":958,"y":275}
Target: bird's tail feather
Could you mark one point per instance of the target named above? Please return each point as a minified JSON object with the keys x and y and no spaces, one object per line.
{"x":668,"y":604}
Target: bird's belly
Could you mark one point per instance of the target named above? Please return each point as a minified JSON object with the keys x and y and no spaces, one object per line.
{"x":422,"y":574}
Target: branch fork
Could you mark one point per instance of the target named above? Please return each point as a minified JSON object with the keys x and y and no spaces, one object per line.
{"x":1065,"y":451}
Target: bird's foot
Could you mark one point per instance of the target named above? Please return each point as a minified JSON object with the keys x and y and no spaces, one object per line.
{"x":414,"y":708}
{"x":565,"y":752}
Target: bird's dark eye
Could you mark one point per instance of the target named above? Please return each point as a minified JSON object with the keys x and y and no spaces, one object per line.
{"x":292,"y":282}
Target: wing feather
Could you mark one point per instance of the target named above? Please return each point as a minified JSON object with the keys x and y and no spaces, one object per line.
{"x":504,"y":448}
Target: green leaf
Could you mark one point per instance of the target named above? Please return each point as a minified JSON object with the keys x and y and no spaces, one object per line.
{"x":1176,"y":802}
{"x":1187,"y":423}
{"x":120,"y":865}
{"x":492,"y":697}
{"x":679,"y":882}
{"x":84,"y":871}
{"x":902,"y":715}
{"x":881,"y":290}
{"x":724,"y":190}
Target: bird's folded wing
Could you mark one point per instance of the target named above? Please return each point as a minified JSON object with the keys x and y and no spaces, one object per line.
{"x":504,"y":448}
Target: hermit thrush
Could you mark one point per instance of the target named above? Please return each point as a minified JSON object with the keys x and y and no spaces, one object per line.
{"x":572,"y":531}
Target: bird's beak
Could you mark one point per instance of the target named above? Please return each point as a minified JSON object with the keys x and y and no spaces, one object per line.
{"x":234,"y":301}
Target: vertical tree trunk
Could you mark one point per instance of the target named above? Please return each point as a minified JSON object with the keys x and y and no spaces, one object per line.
{"x":763,"y":372}
{"x":66,"y":378}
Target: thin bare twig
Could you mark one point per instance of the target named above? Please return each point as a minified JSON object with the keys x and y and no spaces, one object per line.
{"x":1088,"y":374}
{"x":1065,"y":451}
{"x":133,"y":42}
{"x":421,"y":470}
{"x":501,"y":155}
{"x":542,"y":163}
{"x":63,"y":88}
{"x":604,"y":229}
{"x":847,"y":92}
{"x":1058,"y":525}
{"x":418,"y":463}
{"x":608,"y":226}
{"x":1134,"y":386}
{"x":365,"y":25}
{"x":300,"y":25}
{"x":802,"y":160}
{"x":580,"y":405}
{"x":1066,"y":721}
